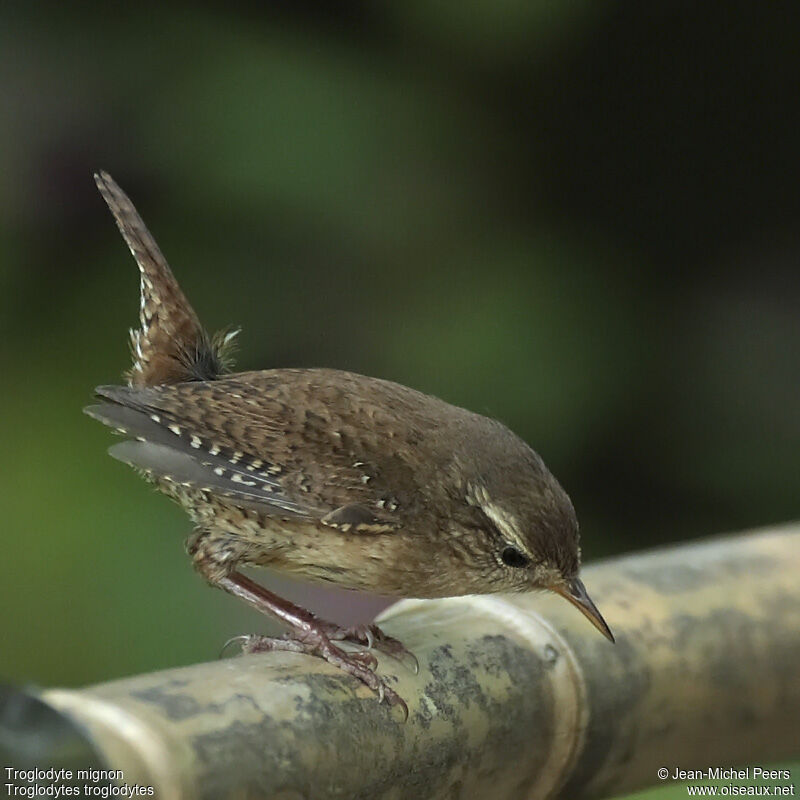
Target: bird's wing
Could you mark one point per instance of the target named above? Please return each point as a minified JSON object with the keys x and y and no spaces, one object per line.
{"x":290,"y":443}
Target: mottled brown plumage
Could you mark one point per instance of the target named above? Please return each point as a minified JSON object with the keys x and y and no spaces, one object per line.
{"x":329,"y":475}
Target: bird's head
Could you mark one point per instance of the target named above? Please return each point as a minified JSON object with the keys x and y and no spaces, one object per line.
{"x":523,"y":528}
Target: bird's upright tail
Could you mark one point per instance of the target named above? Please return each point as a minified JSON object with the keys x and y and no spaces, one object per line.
{"x":170,"y":345}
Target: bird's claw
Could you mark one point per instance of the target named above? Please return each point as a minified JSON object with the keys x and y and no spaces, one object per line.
{"x":318,"y":642}
{"x":241,"y":638}
{"x":372,"y":637}
{"x":366,"y":658}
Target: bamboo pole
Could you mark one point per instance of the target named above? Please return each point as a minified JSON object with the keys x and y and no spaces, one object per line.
{"x":517,"y":697}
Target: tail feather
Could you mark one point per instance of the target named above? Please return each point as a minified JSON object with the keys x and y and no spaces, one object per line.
{"x":170,"y":345}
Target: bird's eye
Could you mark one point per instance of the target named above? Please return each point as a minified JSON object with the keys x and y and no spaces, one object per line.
{"x":512,"y":557}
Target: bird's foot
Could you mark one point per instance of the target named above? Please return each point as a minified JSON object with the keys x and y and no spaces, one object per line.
{"x":317,"y":642}
{"x":371,"y":636}
{"x":315,"y":637}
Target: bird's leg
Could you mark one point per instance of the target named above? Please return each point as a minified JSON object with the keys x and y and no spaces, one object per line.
{"x":310,"y":635}
{"x":369,"y":636}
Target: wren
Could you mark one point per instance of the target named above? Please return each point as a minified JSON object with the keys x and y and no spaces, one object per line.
{"x":328,"y":476}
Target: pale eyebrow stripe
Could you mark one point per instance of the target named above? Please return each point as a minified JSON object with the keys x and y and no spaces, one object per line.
{"x":506,"y":523}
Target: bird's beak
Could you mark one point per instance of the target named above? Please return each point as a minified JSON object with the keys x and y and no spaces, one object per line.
{"x":575,"y":592}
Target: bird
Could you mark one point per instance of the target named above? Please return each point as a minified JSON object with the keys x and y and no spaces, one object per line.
{"x":328,"y":476}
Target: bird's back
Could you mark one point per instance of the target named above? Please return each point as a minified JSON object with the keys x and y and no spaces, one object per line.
{"x":294,"y":442}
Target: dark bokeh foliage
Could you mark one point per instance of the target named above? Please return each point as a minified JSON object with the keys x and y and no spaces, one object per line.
{"x":577,"y":217}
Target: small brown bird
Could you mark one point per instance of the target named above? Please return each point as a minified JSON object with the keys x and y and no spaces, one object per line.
{"x":329,"y":476}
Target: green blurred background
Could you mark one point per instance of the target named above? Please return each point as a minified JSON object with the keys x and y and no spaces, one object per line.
{"x":578,"y":217}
